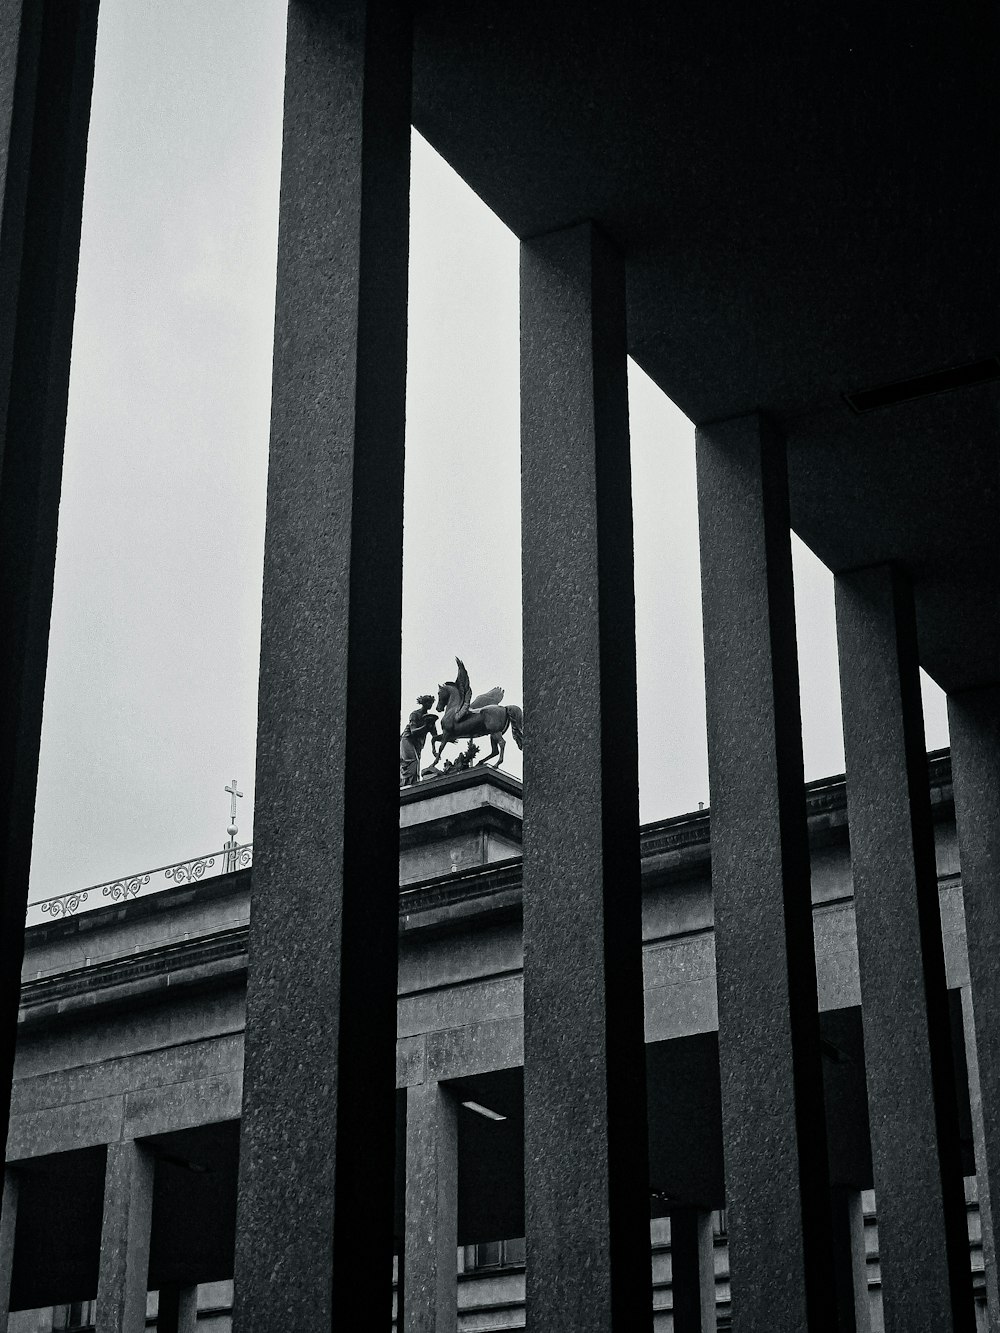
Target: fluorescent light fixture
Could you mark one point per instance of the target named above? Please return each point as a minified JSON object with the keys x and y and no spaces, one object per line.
{"x":484,"y":1110}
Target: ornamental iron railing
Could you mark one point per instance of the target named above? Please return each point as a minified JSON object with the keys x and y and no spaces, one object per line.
{"x":224,"y":862}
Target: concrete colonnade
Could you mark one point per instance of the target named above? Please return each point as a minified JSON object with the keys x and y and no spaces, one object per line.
{"x":314,"y":1228}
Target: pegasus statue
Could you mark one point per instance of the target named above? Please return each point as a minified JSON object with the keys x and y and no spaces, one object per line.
{"x":462,"y":717}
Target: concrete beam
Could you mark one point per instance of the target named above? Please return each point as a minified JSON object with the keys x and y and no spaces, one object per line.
{"x":774,"y":1127}
{"x":923,"y":1239}
{"x":586,"y":1164}
{"x":124,"y":1266}
{"x":430,"y":1290}
{"x":314,"y":1226}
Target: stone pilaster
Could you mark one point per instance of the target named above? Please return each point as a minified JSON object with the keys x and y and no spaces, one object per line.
{"x":125,"y":1230}
{"x":850,"y":1262}
{"x":974,"y":724}
{"x":692,"y":1270}
{"x":430,"y":1301}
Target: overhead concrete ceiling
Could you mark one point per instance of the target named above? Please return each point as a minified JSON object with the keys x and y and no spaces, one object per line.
{"x":807,"y":198}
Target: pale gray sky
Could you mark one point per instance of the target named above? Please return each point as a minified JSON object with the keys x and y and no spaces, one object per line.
{"x":151,"y":693}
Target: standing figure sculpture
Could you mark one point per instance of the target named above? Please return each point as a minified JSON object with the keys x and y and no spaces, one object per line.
{"x":421,"y":725}
{"x":463,"y":716}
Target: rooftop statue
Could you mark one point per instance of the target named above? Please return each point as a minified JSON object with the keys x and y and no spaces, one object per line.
{"x":463,"y":717}
{"x":422,"y":724}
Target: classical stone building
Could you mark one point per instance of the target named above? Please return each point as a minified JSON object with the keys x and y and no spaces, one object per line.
{"x":131,"y":1043}
{"x":788,"y":216}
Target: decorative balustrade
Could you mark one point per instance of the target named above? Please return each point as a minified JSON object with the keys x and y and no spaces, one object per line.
{"x":120,"y":890}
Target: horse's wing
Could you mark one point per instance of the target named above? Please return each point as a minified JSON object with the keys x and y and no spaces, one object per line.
{"x":489,"y":698}
{"x":464,"y":689}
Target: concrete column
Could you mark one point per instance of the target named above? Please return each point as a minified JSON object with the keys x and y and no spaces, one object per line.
{"x":774,"y":1126}
{"x":850,"y":1262}
{"x":314,"y":1223}
{"x":430,"y":1301}
{"x":692,"y":1270}
{"x":128,"y":1211}
{"x":177,"y":1310}
{"x":8,"y":1227}
{"x":974,"y":723}
{"x":586,"y":1155}
{"x":46,"y":73}
{"x":923,"y":1240}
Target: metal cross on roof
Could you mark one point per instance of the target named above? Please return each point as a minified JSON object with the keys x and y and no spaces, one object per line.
{"x":234,"y":792}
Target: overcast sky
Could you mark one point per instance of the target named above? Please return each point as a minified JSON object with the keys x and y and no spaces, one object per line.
{"x":150,"y":704}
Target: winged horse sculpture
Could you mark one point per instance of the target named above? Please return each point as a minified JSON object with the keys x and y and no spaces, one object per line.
{"x":462,"y":717}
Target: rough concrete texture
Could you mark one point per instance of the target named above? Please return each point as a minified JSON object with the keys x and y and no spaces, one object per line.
{"x":769,"y":1041}
{"x":430,"y":1298}
{"x":913,"y":1112}
{"x":128,"y":1210}
{"x":974,"y":725}
{"x":315,"y":1226}
{"x":585,"y":1156}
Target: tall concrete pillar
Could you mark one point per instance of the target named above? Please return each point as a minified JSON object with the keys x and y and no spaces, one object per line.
{"x":8,"y":1227}
{"x":774,"y":1127}
{"x":314,"y":1222}
{"x":177,"y":1310}
{"x":850,"y":1261}
{"x":124,"y":1266}
{"x":46,"y":74}
{"x":692,"y":1270}
{"x":974,"y":724}
{"x":923,"y":1240}
{"x":585,"y":1150}
{"x":430,"y":1298}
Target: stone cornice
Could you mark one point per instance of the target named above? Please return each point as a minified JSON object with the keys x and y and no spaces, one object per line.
{"x":671,"y":850}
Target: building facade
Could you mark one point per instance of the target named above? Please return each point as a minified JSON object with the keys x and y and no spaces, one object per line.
{"x":131,"y":1041}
